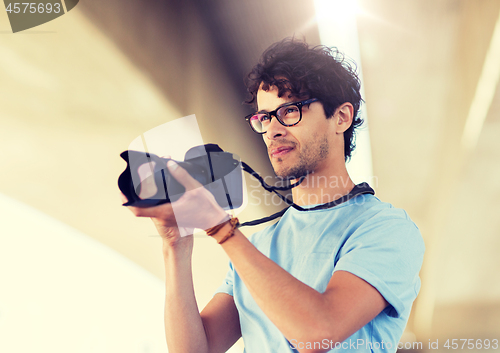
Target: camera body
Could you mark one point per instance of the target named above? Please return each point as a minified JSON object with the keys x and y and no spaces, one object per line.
{"x":147,"y":182}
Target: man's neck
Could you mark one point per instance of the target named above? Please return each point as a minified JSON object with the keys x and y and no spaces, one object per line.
{"x":319,"y":188}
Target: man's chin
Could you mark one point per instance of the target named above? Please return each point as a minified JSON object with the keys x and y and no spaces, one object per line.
{"x":281,"y":174}
{"x":289,"y":174}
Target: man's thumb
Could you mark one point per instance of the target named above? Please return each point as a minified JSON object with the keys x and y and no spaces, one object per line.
{"x":182,"y":176}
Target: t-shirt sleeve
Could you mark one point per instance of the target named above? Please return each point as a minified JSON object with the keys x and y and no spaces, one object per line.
{"x":227,"y":284}
{"x":388,"y":254}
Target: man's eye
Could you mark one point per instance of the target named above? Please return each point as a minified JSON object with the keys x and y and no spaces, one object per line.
{"x":291,"y":110}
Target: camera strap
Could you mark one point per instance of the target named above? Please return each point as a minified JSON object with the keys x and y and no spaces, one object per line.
{"x":362,"y":188}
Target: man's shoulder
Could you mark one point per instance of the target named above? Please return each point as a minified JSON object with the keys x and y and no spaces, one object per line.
{"x":379,"y":208}
{"x":387,"y":224}
{"x":376,"y":214}
{"x":366,"y":208}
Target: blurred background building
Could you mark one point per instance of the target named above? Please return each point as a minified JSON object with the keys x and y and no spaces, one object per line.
{"x":79,"y":273}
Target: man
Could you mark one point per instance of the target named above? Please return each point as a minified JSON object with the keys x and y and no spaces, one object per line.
{"x":342,"y":275}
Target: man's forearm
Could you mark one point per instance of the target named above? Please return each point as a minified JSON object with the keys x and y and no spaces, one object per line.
{"x":183,"y":326}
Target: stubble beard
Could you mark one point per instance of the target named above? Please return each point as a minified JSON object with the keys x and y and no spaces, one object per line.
{"x":309,"y":158}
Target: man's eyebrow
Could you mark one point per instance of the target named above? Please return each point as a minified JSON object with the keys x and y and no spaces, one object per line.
{"x":279,"y":106}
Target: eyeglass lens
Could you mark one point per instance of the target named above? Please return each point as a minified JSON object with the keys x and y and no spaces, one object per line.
{"x":287,"y":116}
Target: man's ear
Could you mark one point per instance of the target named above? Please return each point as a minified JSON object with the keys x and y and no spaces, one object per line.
{"x":344,"y":116}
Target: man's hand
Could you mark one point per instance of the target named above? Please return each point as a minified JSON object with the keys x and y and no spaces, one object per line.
{"x":197,"y":208}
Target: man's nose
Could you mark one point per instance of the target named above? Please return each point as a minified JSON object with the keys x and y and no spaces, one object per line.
{"x":275,"y":129}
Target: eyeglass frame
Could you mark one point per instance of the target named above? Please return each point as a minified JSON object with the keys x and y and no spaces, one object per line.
{"x":299,"y":105}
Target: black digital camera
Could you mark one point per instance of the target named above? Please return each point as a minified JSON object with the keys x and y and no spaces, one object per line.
{"x":147,"y":182}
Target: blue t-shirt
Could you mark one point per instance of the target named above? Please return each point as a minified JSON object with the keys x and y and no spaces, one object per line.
{"x":364,"y":236}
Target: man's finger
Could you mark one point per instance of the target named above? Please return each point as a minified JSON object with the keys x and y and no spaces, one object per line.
{"x":161,"y":211}
{"x":182,"y":176}
{"x":123,"y":198}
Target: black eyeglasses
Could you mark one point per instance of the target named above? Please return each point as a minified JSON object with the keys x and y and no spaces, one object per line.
{"x":288,"y":114}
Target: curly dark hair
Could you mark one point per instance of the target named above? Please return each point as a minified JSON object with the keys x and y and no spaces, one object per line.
{"x":303,"y":72}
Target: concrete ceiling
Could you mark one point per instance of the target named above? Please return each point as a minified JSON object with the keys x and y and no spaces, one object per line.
{"x":121,"y":67}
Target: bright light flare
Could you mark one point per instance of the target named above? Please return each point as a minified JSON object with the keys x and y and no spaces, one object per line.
{"x":340,"y":11}
{"x":485,"y":92}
